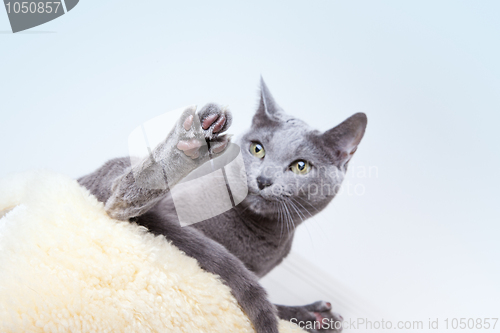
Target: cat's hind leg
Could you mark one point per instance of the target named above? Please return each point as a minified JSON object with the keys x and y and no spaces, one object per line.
{"x":317,"y":315}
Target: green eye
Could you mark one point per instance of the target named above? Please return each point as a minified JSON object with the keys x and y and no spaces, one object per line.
{"x":257,"y":150}
{"x":300,"y":167}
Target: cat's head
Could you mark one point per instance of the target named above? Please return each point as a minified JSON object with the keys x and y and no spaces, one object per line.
{"x":292,"y":169}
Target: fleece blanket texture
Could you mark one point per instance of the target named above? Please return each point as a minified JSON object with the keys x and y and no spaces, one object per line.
{"x":65,"y":266}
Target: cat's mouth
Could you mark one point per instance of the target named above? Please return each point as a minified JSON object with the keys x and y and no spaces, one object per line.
{"x":263,"y":201}
{"x":268,"y":205}
{"x":273,"y":193}
{"x":265,"y":197}
{"x":259,"y":204}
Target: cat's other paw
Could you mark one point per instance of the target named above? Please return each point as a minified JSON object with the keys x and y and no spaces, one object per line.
{"x":314,"y":318}
{"x":323,"y":314}
{"x":201,"y":133}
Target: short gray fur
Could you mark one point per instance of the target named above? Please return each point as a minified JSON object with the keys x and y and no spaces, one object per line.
{"x":246,"y":242}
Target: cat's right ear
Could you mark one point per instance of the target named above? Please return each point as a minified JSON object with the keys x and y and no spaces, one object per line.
{"x":268,"y":111}
{"x":345,"y":138}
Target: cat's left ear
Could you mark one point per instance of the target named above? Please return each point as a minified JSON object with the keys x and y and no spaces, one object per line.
{"x":345,"y":138}
{"x":268,"y":111}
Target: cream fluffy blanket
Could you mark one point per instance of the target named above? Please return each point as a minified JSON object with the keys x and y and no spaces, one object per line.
{"x":65,"y":266}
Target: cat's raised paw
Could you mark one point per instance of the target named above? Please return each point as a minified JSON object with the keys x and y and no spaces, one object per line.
{"x":199,"y":133}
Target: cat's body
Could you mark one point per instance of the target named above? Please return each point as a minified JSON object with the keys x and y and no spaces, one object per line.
{"x":244,"y":234}
{"x":284,"y":161}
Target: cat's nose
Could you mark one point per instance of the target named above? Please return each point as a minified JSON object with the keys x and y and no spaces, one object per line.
{"x":263,"y":182}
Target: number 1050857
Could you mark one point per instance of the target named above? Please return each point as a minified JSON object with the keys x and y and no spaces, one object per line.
{"x":32,"y":7}
{"x":471,"y":323}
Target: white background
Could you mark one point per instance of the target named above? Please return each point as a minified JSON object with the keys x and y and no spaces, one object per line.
{"x":422,"y":239}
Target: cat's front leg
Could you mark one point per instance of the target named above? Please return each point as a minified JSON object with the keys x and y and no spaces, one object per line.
{"x":194,"y":139}
{"x":315,"y":318}
{"x":216,"y":259}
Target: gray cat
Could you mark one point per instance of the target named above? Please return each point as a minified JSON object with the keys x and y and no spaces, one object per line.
{"x":293,"y":172}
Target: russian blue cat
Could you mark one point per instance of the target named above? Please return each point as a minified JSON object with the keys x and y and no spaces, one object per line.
{"x":293,"y":172}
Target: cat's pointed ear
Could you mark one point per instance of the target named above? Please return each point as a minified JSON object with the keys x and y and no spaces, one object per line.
{"x":345,"y":138}
{"x":268,"y":109}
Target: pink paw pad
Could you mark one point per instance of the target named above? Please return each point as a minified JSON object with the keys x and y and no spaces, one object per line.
{"x":190,"y":147}
{"x":318,"y":316}
{"x":208,"y":121}
{"x":219,"y":124}
{"x":188,"y":122}
{"x":217,"y":120}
